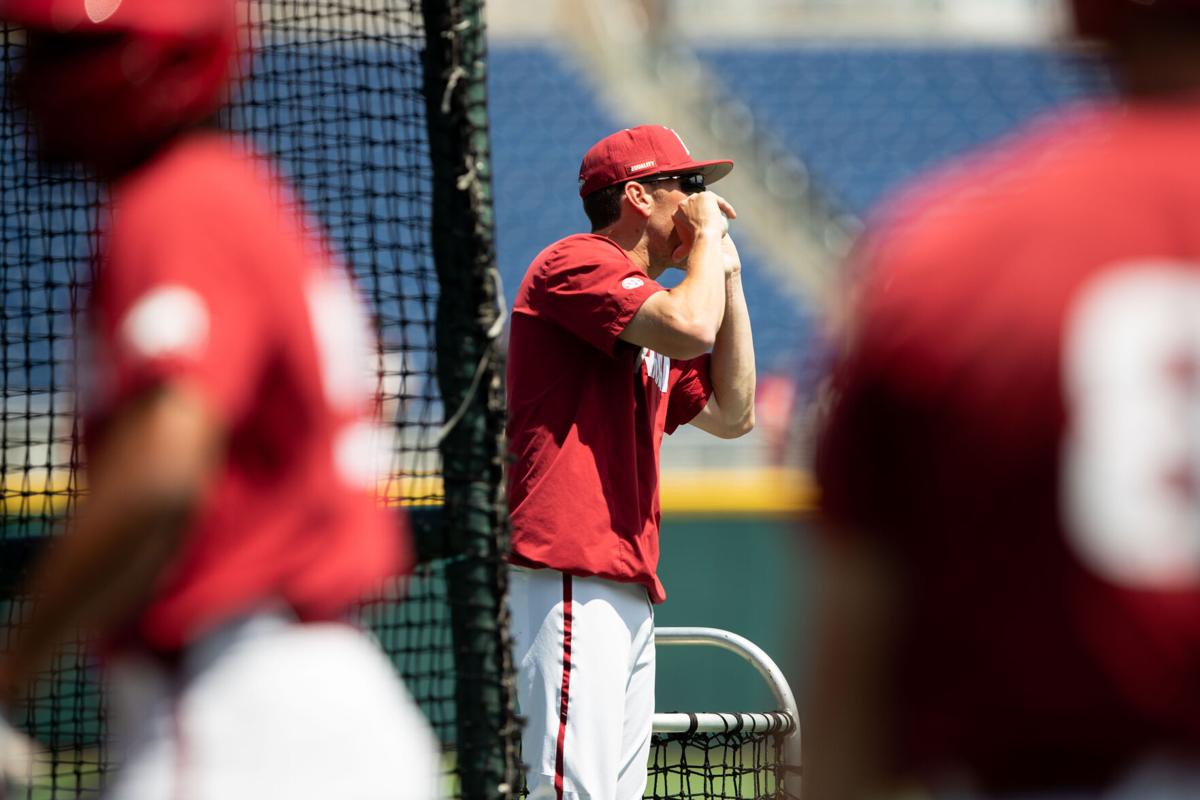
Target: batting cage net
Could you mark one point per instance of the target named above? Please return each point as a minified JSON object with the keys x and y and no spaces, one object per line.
{"x":375,"y":112}
{"x":721,"y":757}
{"x":737,"y":757}
{"x":726,"y":755}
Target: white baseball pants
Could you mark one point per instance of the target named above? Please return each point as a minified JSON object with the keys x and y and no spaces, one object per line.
{"x":584,"y":650}
{"x":269,"y":708}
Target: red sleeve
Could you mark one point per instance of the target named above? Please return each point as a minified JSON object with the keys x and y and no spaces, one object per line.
{"x":690,"y":393}
{"x":593,"y":291}
{"x":172,"y":304}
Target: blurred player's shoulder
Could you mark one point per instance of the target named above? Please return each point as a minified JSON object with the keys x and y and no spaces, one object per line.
{"x":199,"y":160}
{"x":208,"y":189}
{"x":986,"y":254}
{"x":994,"y":179}
{"x":1084,"y":185}
{"x":206,"y":173}
{"x":1070,"y":164}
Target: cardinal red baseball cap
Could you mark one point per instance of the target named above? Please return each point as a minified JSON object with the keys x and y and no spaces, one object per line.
{"x":642,"y":152}
{"x":161,"y":17}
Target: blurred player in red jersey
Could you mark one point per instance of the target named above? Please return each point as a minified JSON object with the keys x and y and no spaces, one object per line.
{"x":1010,"y":604}
{"x":602,"y":361}
{"x":231,"y":521}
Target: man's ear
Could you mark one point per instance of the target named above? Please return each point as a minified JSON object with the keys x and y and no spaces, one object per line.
{"x":639,"y":199}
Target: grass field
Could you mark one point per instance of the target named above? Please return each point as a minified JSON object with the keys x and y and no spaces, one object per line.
{"x":73,"y":775}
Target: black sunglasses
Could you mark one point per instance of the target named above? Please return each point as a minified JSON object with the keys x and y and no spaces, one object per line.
{"x":692,"y":183}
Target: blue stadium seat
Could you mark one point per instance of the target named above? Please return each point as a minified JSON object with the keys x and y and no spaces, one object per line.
{"x":866,"y":118}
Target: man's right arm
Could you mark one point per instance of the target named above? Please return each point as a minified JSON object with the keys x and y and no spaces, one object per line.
{"x":682,"y":323}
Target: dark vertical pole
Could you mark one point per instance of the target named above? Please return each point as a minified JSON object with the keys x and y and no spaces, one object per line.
{"x":474,"y":534}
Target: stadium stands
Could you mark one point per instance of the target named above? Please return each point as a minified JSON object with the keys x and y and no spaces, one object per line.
{"x":868,"y":117}
{"x":864,"y":117}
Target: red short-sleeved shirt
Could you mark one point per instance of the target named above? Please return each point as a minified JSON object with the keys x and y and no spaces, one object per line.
{"x":206,"y":280}
{"x":587,"y":413}
{"x":1014,"y":423}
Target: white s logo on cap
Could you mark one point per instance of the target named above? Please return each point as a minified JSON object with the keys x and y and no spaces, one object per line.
{"x":632,"y":283}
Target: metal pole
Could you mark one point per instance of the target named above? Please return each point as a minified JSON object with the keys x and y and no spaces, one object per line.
{"x":748,"y":650}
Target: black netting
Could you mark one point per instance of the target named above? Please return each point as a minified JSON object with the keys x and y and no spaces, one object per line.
{"x":335,"y":96}
{"x":747,"y":760}
{"x":47,"y":224}
{"x":720,"y":766}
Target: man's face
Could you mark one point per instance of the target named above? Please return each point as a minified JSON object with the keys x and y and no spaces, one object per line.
{"x":663,"y":238}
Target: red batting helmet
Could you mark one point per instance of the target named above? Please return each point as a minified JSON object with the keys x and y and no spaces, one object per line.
{"x":1106,"y":18}
{"x":107,"y":80}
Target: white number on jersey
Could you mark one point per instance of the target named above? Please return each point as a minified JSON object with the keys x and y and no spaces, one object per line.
{"x":1131,"y":459}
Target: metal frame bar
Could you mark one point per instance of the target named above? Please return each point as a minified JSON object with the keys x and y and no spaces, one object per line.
{"x":787,"y":718}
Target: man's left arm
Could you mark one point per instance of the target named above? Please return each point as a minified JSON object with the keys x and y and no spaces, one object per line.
{"x":730,"y":410}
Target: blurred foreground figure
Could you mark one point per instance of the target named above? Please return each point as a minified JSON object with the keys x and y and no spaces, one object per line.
{"x":231,"y":521}
{"x":1010,"y":603}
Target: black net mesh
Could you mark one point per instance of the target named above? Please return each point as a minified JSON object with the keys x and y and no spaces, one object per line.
{"x":748,"y":759}
{"x":334,"y":95}
{"x":720,"y":766}
{"x":47,"y":224}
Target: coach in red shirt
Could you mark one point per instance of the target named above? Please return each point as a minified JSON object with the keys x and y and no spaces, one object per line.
{"x":1011,"y":593}
{"x":231,"y":520}
{"x":603,"y":361}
